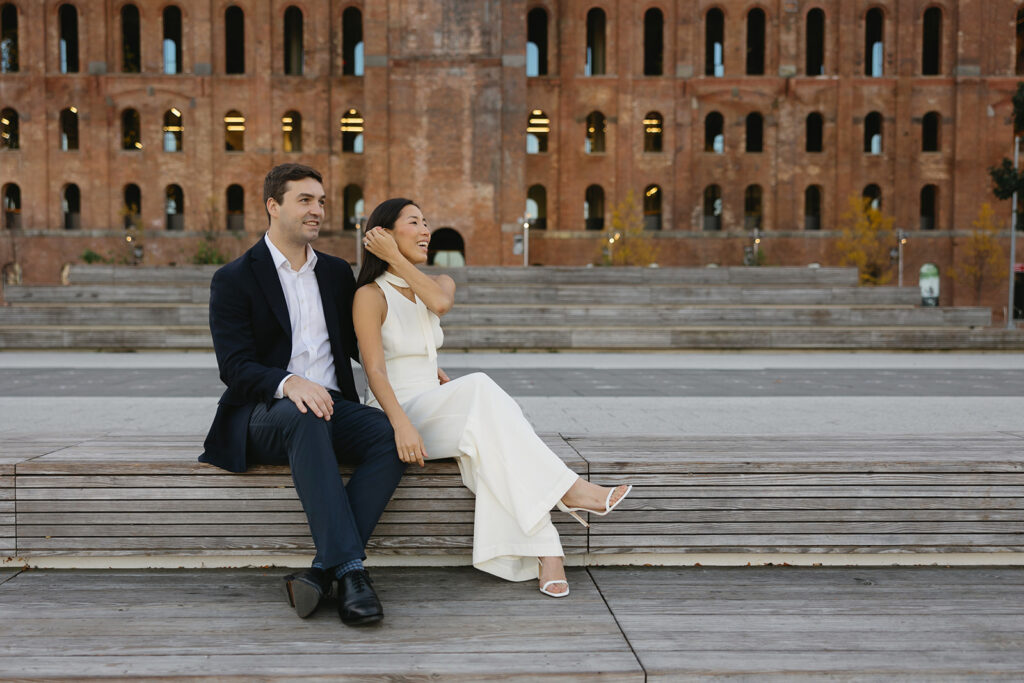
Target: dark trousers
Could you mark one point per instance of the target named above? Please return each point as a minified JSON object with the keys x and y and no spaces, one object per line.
{"x":341,"y":517}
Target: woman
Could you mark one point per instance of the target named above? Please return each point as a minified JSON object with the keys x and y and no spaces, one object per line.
{"x":515,"y":477}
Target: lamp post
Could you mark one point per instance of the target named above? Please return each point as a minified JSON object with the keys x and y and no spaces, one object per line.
{"x":359,"y":241}
{"x":526,"y":242}
{"x":902,"y":237}
{"x":1013,"y":237}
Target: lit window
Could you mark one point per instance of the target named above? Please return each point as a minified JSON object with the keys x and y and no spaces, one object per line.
{"x":234,"y":131}
{"x":352,"y":132}
{"x":653,"y":132}
{"x":174,"y":130}
{"x":291,"y":132}
{"x":537,"y":128}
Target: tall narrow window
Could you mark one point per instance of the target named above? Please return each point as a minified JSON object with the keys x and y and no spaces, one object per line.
{"x":132,"y":207}
{"x":752,"y":207}
{"x":172,"y":40}
{"x":596,"y":127}
{"x":595,"y":43}
{"x":353,"y":206}
{"x":712,"y":207}
{"x":755,"y":132}
{"x":291,"y":132}
{"x":654,"y":42}
{"x":69,"y":129}
{"x":714,"y":137}
{"x":131,"y":130}
{"x":537,"y":207}
{"x":538,"y":127}
{"x":68,"y":18}
{"x":653,"y":132}
{"x":537,"y":42}
{"x":9,"y":38}
{"x":593,"y":208}
{"x":872,"y":195}
{"x":755,"y":42}
{"x":652,"y":207}
{"x":234,"y":131}
{"x":930,"y":132}
{"x":873,"y":133}
{"x":352,"y":42}
{"x":174,"y":208}
{"x":9,"y":129}
{"x":1020,"y":41}
{"x":352,"y":132}
{"x":815,"y":137}
{"x":12,"y":206}
{"x":814,"y":43}
{"x":874,"y":47}
{"x":236,"y":208}
{"x":812,"y":207}
{"x":929,"y":199}
{"x":931,"y":46}
{"x":714,"y":43}
{"x":293,"y":49}
{"x":174,"y":130}
{"x":234,"y":40}
{"x":71,"y":204}
{"x":131,"y":57}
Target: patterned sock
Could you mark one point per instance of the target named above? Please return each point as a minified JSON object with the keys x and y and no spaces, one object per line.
{"x":346,"y":567}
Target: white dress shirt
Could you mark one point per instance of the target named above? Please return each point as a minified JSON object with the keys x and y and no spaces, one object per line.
{"x":311,"y":345}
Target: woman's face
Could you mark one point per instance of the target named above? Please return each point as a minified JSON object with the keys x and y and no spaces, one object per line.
{"x":411,"y":234}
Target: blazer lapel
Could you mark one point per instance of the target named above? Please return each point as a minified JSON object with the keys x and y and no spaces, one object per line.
{"x":270,"y":283}
{"x":327,"y":297}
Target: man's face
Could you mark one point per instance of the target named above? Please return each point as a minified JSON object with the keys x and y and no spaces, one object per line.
{"x":301,"y":211}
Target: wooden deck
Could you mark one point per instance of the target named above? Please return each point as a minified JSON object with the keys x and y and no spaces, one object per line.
{"x":619,"y":624}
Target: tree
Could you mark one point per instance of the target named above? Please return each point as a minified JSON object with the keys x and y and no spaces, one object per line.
{"x":625,"y":242}
{"x":982,"y":261}
{"x":867,"y":237}
{"x":1005,"y":178}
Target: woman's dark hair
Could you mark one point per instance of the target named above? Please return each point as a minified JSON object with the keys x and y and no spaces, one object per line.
{"x":384,"y":216}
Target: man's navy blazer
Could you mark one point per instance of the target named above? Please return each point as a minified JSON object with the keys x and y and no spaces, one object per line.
{"x":253,"y":340}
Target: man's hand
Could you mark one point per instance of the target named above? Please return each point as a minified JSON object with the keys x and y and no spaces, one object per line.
{"x":304,"y":393}
{"x":441,"y":377}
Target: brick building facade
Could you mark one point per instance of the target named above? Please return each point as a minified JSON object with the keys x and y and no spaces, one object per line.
{"x":718,"y":116}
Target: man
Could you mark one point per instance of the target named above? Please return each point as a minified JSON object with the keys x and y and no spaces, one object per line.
{"x":282,"y":328}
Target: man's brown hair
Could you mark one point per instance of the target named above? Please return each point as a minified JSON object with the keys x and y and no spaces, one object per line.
{"x":276,"y":182}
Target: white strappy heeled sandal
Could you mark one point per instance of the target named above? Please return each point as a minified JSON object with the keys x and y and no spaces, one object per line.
{"x":544,"y":587}
{"x":608,"y":505}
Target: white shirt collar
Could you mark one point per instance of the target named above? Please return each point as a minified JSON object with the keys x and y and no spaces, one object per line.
{"x":280,"y":259}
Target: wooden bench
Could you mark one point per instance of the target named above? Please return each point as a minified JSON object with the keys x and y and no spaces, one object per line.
{"x":139,"y":498}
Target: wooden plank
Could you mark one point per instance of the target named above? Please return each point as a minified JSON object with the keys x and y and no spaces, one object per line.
{"x":806,"y":543}
{"x":232,"y":505}
{"x":760,"y":516}
{"x":849,"y":493}
{"x":213,"y":493}
{"x":662,"y":529}
{"x":26,"y":531}
{"x":639,"y":503}
{"x":847,"y":479}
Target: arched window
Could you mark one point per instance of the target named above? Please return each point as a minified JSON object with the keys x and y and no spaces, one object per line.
{"x":652,"y":207}
{"x":12,"y":206}
{"x":1020,"y":41}
{"x":174,"y":208}
{"x":68,"y":18}
{"x":814,"y":43}
{"x":291,"y":131}
{"x":174,"y":130}
{"x":236,"y":208}
{"x":132,"y":208}
{"x":931,"y":139}
{"x":293,"y":50}
{"x":712,"y":207}
{"x":353,"y":207}
{"x":929,"y":200}
{"x":931,"y":45}
{"x":755,"y":132}
{"x":654,"y":42}
{"x":69,"y":129}
{"x":596,"y":127}
{"x":714,"y":137}
{"x":874,"y":47}
{"x":352,"y":132}
{"x":172,"y":40}
{"x":755,"y":42}
{"x":595,"y":43}
{"x":593,"y":208}
{"x":131,"y":130}
{"x":234,"y":40}
{"x":653,"y":132}
{"x":71,"y":205}
{"x":873,"y":133}
{"x":812,"y":207}
{"x":447,"y":249}
{"x":752,"y":207}
{"x":131,"y":46}
{"x":537,"y":42}
{"x":352,"y":42}
{"x":714,"y":43}
{"x":815,"y":135}
{"x":234,"y":131}
{"x":9,"y":38}
{"x":9,"y":129}
{"x":872,"y":194}
{"x":538,"y":126}
{"x":537,"y":207}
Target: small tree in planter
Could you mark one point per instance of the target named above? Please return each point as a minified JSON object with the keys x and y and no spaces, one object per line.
{"x":867,"y":237}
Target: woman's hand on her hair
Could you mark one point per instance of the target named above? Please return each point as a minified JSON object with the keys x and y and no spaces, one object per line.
{"x":382,"y":244}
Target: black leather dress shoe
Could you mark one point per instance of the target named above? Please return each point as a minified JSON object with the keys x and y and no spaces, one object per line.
{"x":306,"y":589}
{"x":357,"y":601}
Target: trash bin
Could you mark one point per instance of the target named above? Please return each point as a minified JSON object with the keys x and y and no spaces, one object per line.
{"x":928,"y":280}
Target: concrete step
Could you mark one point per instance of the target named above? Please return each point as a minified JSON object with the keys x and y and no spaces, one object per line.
{"x":110,"y":294}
